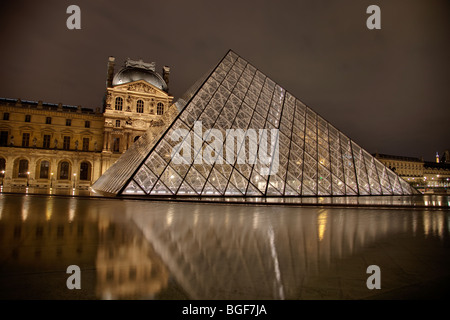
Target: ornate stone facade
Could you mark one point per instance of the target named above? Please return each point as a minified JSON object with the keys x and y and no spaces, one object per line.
{"x":55,"y":145}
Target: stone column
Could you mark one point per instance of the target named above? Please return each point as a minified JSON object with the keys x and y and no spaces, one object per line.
{"x":105,"y":140}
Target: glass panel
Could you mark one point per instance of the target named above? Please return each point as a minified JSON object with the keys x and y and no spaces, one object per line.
{"x":276,"y":184}
{"x":361,"y":173}
{"x":186,"y":189}
{"x":209,"y":190}
{"x":133,"y":188}
{"x":239,"y":181}
{"x":324,"y":180}
{"x":372,"y":175}
{"x":171,"y":179}
{"x":295,"y":182}
{"x":258,"y":180}
{"x":288,"y":191}
{"x":218,"y":181}
{"x":338,"y":186}
{"x":252,"y":190}
{"x":232,"y":190}
{"x":160,"y":189}
{"x":195,"y":179}
{"x":145,"y":178}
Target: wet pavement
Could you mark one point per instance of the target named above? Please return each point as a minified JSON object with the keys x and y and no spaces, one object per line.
{"x":163,"y":250}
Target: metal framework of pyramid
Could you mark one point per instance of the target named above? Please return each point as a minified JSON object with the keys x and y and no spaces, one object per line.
{"x":313,"y":158}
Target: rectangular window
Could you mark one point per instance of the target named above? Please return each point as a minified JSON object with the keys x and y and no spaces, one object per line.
{"x":68,"y":122}
{"x":46,"y":143}
{"x":44,"y":170}
{"x":48,"y":120}
{"x":85,"y":144}
{"x":116,"y":145}
{"x":3,"y":138}
{"x":87,"y":124}
{"x":27,"y":118}
{"x":117,"y":123}
{"x":66,"y":143}
{"x":6,"y":116}
{"x":26,"y":140}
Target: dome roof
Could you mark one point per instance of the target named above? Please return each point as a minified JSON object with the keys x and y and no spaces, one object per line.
{"x":130,"y":74}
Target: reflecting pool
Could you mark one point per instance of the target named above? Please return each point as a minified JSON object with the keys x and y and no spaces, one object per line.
{"x":135,"y":249}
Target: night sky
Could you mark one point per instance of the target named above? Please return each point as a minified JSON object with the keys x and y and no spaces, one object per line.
{"x":386,"y":89}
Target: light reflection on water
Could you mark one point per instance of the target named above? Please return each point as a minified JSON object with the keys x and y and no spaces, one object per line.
{"x":130,"y":249}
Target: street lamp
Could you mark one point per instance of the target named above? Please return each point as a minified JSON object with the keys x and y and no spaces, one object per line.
{"x":74,"y":179}
{"x":51,"y":180}
{"x":3,"y":176}
{"x":28,"y":178}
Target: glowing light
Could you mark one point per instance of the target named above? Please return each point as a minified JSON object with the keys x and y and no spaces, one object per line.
{"x":322,"y":223}
{"x":273,"y":252}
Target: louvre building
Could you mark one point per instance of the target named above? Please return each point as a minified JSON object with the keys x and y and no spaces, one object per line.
{"x":286,"y":149}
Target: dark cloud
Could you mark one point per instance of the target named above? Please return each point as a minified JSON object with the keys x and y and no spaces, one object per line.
{"x":387,"y":89}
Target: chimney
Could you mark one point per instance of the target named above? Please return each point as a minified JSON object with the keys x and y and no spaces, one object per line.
{"x":166,"y":73}
{"x":110,"y":72}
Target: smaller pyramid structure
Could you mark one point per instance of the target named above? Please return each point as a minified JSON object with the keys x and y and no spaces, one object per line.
{"x":238,"y":133}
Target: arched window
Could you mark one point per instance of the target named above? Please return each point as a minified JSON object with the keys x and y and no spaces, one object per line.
{"x":64,"y":168}
{"x":119,"y":103}
{"x":136,"y":138}
{"x":140,"y":106}
{"x":44,"y":168}
{"x":160,"y":108}
{"x":85,"y":171}
{"x":23,"y":169}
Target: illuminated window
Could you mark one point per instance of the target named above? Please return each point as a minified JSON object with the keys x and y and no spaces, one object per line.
{"x":85,"y":171}
{"x":160,"y":108}
{"x":119,"y":103}
{"x":43,"y":172}
{"x":140,"y":106}
{"x":64,"y":168}
{"x":23,"y":168}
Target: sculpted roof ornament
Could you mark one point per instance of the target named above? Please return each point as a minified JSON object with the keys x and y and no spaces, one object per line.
{"x":140,"y":64}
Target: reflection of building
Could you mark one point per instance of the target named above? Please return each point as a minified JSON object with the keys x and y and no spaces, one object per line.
{"x":46,"y":235}
{"x":127,"y":266}
{"x":56,"y":145}
{"x":417,"y":172}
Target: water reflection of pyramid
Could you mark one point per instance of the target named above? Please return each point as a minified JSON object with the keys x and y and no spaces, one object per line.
{"x":314,"y":158}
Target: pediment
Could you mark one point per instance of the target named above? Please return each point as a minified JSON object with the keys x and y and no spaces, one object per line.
{"x":140,"y":86}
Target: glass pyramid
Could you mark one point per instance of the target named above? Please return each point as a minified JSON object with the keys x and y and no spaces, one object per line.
{"x":238,"y":133}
